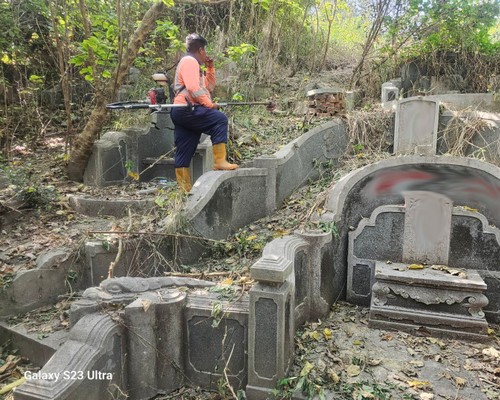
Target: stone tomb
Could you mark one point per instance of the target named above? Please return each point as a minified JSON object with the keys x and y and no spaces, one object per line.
{"x":400,"y":258}
{"x":148,"y":152}
{"x":416,"y":126}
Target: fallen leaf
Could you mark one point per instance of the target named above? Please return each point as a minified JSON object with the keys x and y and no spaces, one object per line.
{"x":417,"y":363}
{"x":327,"y":333}
{"x":470,"y":209}
{"x":306,"y":369}
{"x":452,"y":271}
{"x":357,"y":342}
{"x":333,"y":376}
{"x":491,"y":331}
{"x":227,"y":282}
{"x":491,"y":352}
{"x":353,"y":370}
{"x":133,"y":175}
{"x":315,"y":335}
{"x":386,"y":336}
{"x":145,"y":305}
{"x":415,"y":266}
{"x":460,"y":382}
{"x":362,"y":394}
{"x":496,"y":372}
{"x":418,"y":384}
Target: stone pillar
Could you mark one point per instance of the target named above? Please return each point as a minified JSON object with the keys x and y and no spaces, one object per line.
{"x":140,"y":320}
{"x":271,"y":325}
{"x":320,"y":274}
{"x":170,"y":340}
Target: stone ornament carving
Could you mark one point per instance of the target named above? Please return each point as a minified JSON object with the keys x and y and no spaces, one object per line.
{"x":474,"y":302}
{"x":128,"y":287}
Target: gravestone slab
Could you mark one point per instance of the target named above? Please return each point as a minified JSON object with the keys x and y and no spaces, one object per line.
{"x":416,"y":126}
{"x":427,"y":227}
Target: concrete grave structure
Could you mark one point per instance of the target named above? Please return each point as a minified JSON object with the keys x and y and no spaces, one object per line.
{"x":416,"y":126}
{"x":408,"y":295}
{"x":148,"y":152}
{"x":438,"y":210}
{"x":373,"y":220}
{"x":167,"y":337}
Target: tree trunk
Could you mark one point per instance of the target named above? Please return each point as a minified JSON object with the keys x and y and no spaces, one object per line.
{"x":82,"y":147}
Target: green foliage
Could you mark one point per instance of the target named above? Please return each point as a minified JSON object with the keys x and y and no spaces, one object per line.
{"x":30,"y":190}
{"x":236,"y":53}
{"x":287,"y":387}
{"x":454,"y":25}
{"x":263,"y":3}
{"x":367,"y":390}
{"x":237,"y":97}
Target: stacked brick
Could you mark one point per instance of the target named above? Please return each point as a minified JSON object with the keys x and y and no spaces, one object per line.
{"x":325,"y":102}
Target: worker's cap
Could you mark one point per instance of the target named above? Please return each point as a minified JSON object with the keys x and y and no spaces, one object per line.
{"x":159,"y":77}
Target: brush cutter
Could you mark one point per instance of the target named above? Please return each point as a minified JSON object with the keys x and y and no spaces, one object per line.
{"x":139,"y":104}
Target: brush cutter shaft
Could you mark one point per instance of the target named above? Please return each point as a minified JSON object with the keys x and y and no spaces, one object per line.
{"x":134,"y":105}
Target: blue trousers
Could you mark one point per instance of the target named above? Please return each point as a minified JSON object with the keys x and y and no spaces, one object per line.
{"x":190,"y":124}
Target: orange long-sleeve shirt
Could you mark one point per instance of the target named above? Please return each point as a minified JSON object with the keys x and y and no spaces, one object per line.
{"x":191,"y":82}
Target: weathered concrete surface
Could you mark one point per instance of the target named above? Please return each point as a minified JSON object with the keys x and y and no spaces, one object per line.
{"x":92,"y":358}
{"x":106,"y":164}
{"x":392,"y":360}
{"x":37,"y":350}
{"x":215,"y":343}
{"x":224,"y":201}
{"x":467,"y":182}
{"x":416,"y":126}
{"x":40,"y":286}
{"x":298,"y":161}
{"x":430,"y":300}
{"x":477,"y":101}
{"x":95,"y":207}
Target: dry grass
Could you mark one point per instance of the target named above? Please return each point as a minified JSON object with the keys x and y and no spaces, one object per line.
{"x":464,"y":137}
{"x":369,"y":130}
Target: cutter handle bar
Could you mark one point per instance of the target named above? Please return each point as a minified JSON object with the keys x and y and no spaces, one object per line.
{"x":133,"y":105}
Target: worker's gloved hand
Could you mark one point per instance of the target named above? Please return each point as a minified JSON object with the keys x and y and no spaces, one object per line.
{"x":209,"y":62}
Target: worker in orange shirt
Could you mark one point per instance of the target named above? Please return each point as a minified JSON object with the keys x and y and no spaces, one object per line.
{"x":193,"y":84}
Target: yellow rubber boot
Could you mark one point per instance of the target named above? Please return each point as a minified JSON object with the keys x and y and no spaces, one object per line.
{"x":183,"y":177}
{"x":220,"y":161}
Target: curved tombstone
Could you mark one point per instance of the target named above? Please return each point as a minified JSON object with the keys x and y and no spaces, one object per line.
{"x":457,"y":197}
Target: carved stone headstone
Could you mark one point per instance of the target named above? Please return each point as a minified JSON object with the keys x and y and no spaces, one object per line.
{"x":416,"y":126}
{"x":427,"y":228}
